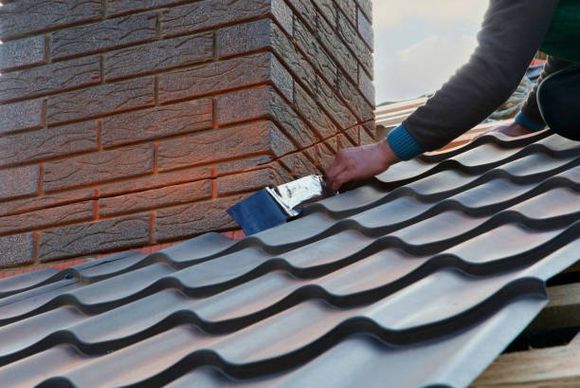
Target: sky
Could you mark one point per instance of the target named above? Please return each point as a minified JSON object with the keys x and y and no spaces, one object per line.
{"x":419,"y":44}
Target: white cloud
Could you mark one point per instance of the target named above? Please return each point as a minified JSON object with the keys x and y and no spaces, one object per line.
{"x":420,"y":43}
{"x":392,"y":12}
{"x":424,"y":66}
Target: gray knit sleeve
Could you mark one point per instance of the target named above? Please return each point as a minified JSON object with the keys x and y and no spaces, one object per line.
{"x":511,"y":33}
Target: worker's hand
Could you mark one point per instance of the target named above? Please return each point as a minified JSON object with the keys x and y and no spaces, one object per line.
{"x":359,"y":163}
{"x":512,"y":130}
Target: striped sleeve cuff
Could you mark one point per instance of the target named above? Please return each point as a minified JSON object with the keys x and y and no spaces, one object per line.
{"x":528,"y":123}
{"x":403,"y":144}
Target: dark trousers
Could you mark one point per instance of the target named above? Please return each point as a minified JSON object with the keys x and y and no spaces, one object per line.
{"x":558,"y":98}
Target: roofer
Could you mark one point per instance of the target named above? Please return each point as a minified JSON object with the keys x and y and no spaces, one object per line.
{"x":512,"y":32}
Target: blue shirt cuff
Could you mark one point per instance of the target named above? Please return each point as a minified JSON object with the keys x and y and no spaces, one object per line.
{"x":528,"y":123}
{"x":403,"y":143}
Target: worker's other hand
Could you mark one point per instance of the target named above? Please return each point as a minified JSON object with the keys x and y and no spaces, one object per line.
{"x":359,"y":163}
{"x":512,"y":130}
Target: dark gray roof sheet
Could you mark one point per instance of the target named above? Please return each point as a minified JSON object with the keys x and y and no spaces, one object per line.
{"x":421,"y":276}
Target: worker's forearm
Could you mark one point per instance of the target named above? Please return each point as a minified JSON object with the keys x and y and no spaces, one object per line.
{"x":512,"y":32}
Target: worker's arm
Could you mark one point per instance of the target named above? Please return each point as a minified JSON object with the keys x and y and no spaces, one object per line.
{"x":512,"y":32}
{"x":530,"y":117}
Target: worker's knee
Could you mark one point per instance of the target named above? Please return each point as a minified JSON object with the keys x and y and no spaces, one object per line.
{"x":559,"y":101}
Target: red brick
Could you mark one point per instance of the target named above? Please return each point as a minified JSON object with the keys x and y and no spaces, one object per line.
{"x":262,"y":102}
{"x":22,"y":52}
{"x":368,"y":134}
{"x":101,"y":236}
{"x":161,"y":55}
{"x":215,"y":77}
{"x":209,"y":13}
{"x":48,"y":143}
{"x":316,"y":116}
{"x":16,"y":249}
{"x":210,"y":146}
{"x":18,"y":182}
{"x":20,"y":116}
{"x":98,"y":166}
{"x":117,"y":7}
{"x":315,"y":54}
{"x":24,"y":17}
{"x":244,"y":105}
{"x":151,"y":199}
{"x":299,"y":165}
{"x":283,"y":14}
{"x":324,"y":94}
{"x":40,"y":219}
{"x":44,"y":201}
{"x":367,"y":7}
{"x":322,"y":154}
{"x":329,"y":38}
{"x":300,"y":68}
{"x":361,"y":51}
{"x":348,"y":7}
{"x":106,"y":34}
{"x":240,"y":165}
{"x":63,"y":76}
{"x":328,"y":10}
{"x":157,"y":122}
{"x":305,"y":9}
{"x":101,"y":100}
{"x":244,"y":37}
{"x":154,"y":181}
{"x":365,"y":29}
{"x":354,"y":134}
{"x":366,"y":86}
{"x":248,"y":181}
{"x":335,"y":107}
{"x":189,"y":220}
{"x":356,"y":101}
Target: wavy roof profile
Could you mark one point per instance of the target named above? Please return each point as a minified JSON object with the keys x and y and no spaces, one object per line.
{"x":422,"y":276}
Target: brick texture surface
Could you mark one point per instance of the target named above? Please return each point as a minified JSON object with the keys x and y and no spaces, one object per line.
{"x":29,"y":16}
{"x":129,"y":124}
{"x":214,"y":77}
{"x":165,"y":196}
{"x":48,"y":143}
{"x":158,"y":56}
{"x":103,"y":35}
{"x":56,"y":77}
{"x":17,"y":248}
{"x":22,"y":52}
{"x":116,"y":7}
{"x":19,"y":181}
{"x":82,"y":239}
{"x":101,"y":100}
{"x":21,"y":115}
{"x":188,"y":220}
{"x":80,"y":211}
{"x":235,"y":141}
{"x":97,"y":167}
{"x":157,"y":122}
{"x":210,"y":13}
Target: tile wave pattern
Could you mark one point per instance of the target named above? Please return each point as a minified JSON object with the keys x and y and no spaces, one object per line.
{"x":435,"y":265}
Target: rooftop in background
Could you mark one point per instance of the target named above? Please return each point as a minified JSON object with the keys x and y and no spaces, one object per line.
{"x":443,"y":259}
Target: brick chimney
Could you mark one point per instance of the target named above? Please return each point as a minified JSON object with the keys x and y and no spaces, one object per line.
{"x":127,"y":123}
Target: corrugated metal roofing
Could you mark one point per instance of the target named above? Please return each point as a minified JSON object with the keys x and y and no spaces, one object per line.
{"x":422,"y":276}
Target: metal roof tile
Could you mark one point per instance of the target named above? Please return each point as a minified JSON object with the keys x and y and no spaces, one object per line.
{"x":421,"y":276}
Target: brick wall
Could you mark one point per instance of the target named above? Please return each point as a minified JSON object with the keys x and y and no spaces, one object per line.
{"x":132,"y":123}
